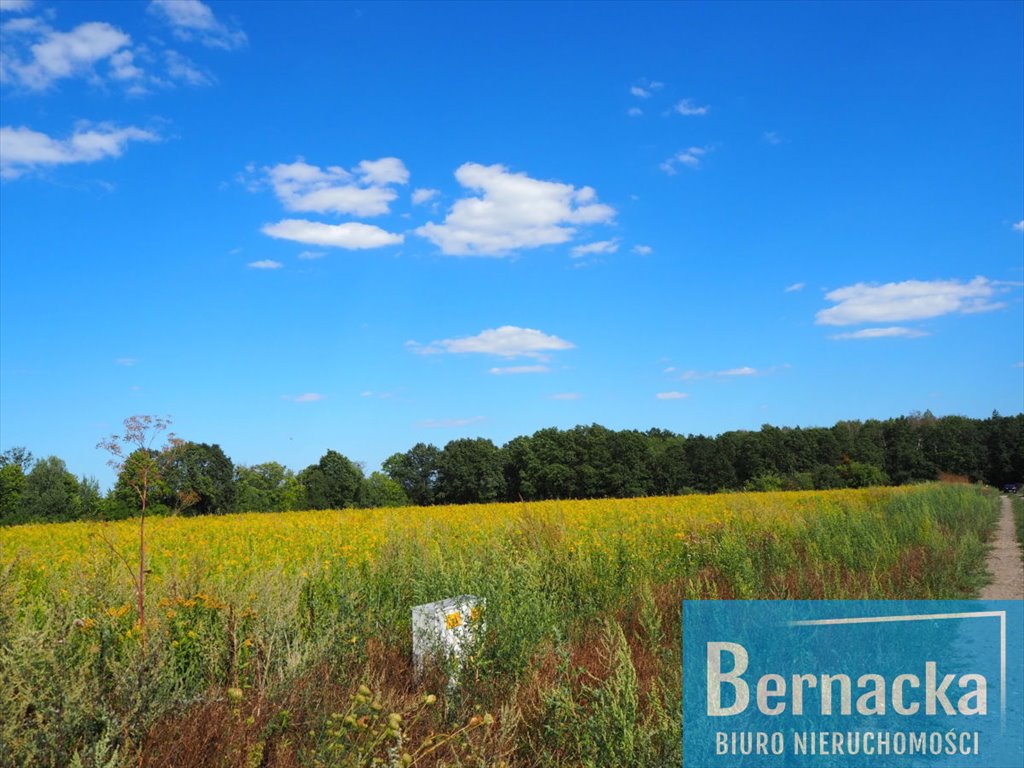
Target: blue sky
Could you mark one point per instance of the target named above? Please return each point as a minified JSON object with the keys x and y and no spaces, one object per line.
{"x":303,"y":226}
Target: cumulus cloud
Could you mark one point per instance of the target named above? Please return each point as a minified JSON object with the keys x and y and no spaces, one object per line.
{"x":23,"y":150}
{"x":517,"y":369}
{"x":772,"y":137}
{"x":671,"y":395}
{"x":634,"y":112}
{"x":364,"y":192}
{"x":35,"y":56}
{"x":642,"y":250}
{"x":688,"y":108}
{"x":891,"y":332}
{"x":387,"y":170}
{"x":1019,"y":226}
{"x":644,"y":89}
{"x":307,"y":397}
{"x":421,"y":196}
{"x":513,"y":212}
{"x":601,"y":246}
{"x":795,"y":287}
{"x":192,"y":20}
{"x":908,"y":300}
{"x":352,"y":235}
{"x":691,"y":158}
{"x":15,"y":6}
{"x":448,"y":423}
{"x":265,"y":264}
{"x":506,"y":341}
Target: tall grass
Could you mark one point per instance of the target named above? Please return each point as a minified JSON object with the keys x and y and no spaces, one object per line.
{"x":261,"y":627}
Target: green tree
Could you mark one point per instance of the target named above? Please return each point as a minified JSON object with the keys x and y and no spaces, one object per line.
{"x":201,"y":479}
{"x":90,"y":500}
{"x":470,"y":472}
{"x":857,"y":474}
{"x":379,"y":490}
{"x":15,"y":463}
{"x":51,"y":492}
{"x":416,"y":471}
{"x":332,"y":483}
{"x":267,"y":487}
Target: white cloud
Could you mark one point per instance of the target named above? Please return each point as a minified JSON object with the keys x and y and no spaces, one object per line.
{"x":690,"y":157}
{"x":909,"y":300}
{"x":506,"y":341}
{"x":565,"y":396}
{"x":126,"y":362}
{"x":193,"y":20}
{"x":1019,"y":364}
{"x":644,"y":88}
{"x":514,"y":211}
{"x":742,"y":371}
{"x":265,"y":264}
{"x":1019,"y":226}
{"x":448,"y":423}
{"x":688,"y":108}
{"x":307,"y":397}
{"x":634,"y":112}
{"x":772,"y":137}
{"x":881,"y":333}
{"x":601,"y":246}
{"x":310,"y":255}
{"x":23,"y":150}
{"x":15,"y":6}
{"x":421,"y":196}
{"x":671,"y":395}
{"x":642,"y":250}
{"x":352,"y":235}
{"x":795,"y":287}
{"x":516,"y":369}
{"x":183,"y":69}
{"x":379,"y":173}
{"x":55,"y":55}
{"x":308,"y":188}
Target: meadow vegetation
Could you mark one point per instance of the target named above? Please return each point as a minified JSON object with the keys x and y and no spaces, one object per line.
{"x":283,"y":639}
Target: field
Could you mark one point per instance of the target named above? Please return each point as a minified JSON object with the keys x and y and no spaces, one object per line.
{"x":284,"y":639}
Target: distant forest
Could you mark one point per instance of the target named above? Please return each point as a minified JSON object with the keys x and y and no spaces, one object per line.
{"x":584,"y":462}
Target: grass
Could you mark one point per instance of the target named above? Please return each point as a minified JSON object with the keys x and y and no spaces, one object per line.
{"x":284,"y":639}
{"x":1017,"y":502}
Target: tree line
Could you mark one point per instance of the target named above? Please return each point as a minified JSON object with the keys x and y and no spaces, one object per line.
{"x":582,"y":462}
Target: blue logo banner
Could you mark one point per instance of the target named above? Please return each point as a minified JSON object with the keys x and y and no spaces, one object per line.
{"x":853,"y":683}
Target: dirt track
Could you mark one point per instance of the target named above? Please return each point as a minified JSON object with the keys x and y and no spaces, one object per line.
{"x":1004,"y":561}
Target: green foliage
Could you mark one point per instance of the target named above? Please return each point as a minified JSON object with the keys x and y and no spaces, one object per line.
{"x":200,"y":479}
{"x":416,"y":471}
{"x":12,"y":486}
{"x":51,"y":492}
{"x":268,"y":487}
{"x":379,"y":490}
{"x":333,"y":483}
{"x":470,"y":471}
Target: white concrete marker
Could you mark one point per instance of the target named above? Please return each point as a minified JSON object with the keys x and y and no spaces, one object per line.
{"x":446,"y":629}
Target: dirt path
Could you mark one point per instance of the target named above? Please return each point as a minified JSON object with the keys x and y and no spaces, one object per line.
{"x":1004,"y":561}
